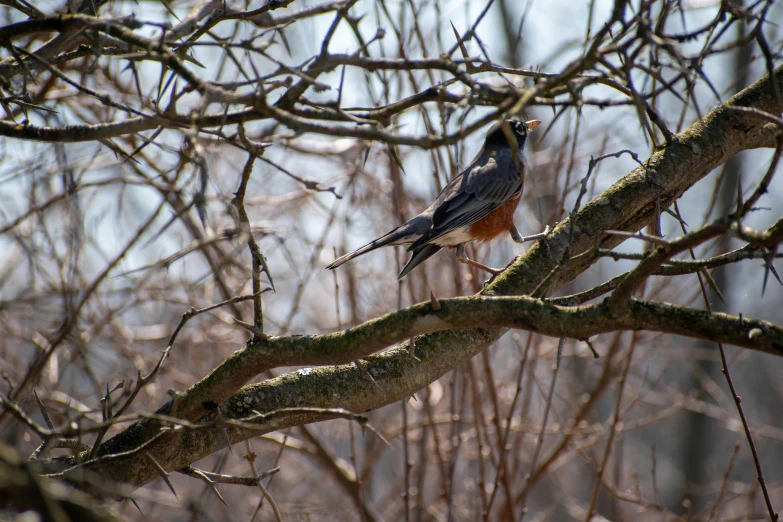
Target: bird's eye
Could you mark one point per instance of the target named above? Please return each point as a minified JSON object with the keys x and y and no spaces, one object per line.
{"x":520,"y":128}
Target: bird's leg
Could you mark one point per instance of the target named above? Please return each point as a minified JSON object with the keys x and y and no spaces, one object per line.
{"x":519,"y":238}
{"x":462,"y":257}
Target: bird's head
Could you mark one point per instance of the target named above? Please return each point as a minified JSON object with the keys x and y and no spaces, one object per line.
{"x":519,"y":129}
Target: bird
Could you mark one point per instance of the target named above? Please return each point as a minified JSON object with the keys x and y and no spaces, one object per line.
{"x":476,"y":205}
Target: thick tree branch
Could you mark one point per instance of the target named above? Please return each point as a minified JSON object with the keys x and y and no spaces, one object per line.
{"x":405,"y":376}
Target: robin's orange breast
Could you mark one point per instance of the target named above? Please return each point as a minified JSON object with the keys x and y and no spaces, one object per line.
{"x":497,"y":222}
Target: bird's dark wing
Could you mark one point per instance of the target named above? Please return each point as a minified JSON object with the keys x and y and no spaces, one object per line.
{"x":486,"y":184}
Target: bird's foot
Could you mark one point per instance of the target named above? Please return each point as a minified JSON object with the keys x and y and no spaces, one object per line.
{"x":515,"y":235}
{"x":496,"y":272}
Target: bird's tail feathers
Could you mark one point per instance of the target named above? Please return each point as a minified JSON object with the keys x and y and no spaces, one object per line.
{"x":388,"y":239}
{"x":418,"y":257}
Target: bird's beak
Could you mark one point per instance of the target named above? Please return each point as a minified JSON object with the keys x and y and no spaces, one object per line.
{"x":532,"y":124}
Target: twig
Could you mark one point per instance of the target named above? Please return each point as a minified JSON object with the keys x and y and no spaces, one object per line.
{"x":251,"y":459}
{"x":259,"y":261}
{"x":540,"y":438}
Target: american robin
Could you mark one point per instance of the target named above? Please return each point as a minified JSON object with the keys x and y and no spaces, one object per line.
{"x":477,"y":205}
